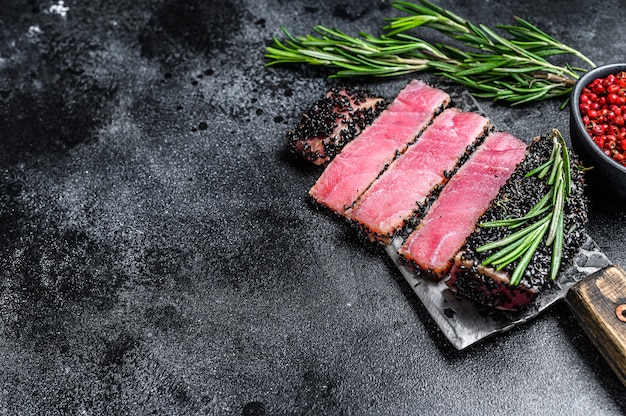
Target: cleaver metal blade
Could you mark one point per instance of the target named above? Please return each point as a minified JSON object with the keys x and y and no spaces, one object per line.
{"x":464,"y":322}
{"x":594,"y":289}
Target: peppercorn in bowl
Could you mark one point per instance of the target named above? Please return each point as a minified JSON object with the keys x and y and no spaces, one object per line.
{"x":598,"y":127}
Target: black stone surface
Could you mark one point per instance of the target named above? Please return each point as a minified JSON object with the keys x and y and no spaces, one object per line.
{"x":158,"y":254}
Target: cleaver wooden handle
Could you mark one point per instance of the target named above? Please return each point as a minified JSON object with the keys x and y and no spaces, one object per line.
{"x":599,"y":302}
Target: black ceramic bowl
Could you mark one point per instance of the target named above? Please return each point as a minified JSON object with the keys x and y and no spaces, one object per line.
{"x":606,"y":176}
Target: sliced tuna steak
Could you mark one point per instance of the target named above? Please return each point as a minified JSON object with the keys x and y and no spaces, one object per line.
{"x":332,"y":122}
{"x":362,"y":160}
{"x":491,"y":287}
{"x":414,"y":177}
{"x":453,"y":216}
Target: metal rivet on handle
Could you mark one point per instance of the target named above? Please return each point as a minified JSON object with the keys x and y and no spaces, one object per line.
{"x":620,"y":311}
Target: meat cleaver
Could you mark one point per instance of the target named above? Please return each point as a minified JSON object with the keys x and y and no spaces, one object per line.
{"x":594,"y":289}
{"x":592,"y":286}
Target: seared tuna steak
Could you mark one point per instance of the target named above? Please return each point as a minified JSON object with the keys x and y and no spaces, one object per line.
{"x":414,"y":177}
{"x":332,"y":122}
{"x":491,"y":287}
{"x":452,"y":217}
{"x":362,"y":160}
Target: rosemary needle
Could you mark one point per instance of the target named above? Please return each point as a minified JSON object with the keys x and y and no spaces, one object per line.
{"x":512,"y":252}
{"x":516,"y":277}
{"x":557,"y":252}
{"x":514,"y":69}
{"x":506,"y":241}
{"x":537,"y":210}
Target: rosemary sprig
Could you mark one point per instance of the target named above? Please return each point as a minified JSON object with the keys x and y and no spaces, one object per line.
{"x":547,"y":214}
{"x":514,"y":69}
{"x":366,"y":55}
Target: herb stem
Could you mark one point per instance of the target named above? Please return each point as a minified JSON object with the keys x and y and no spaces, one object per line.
{"x":548,"y":213}
{"x":514,"y":69}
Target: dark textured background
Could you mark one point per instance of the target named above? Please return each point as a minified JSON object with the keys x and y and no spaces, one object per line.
{"x":158,"y":254}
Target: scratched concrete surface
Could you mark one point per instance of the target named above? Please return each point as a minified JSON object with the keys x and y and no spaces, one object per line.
{"x":158,"y":254}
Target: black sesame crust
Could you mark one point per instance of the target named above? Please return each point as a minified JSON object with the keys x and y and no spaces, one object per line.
{"x":516,"y":197}
{"x":315,"y":138}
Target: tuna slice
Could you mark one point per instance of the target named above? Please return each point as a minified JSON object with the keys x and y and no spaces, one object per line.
{"x":332,"y":122}
{"x":407,"y":185}
{"x":453,"y":216}
{"x":491,"y":287}
{"x":362,"y":160}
